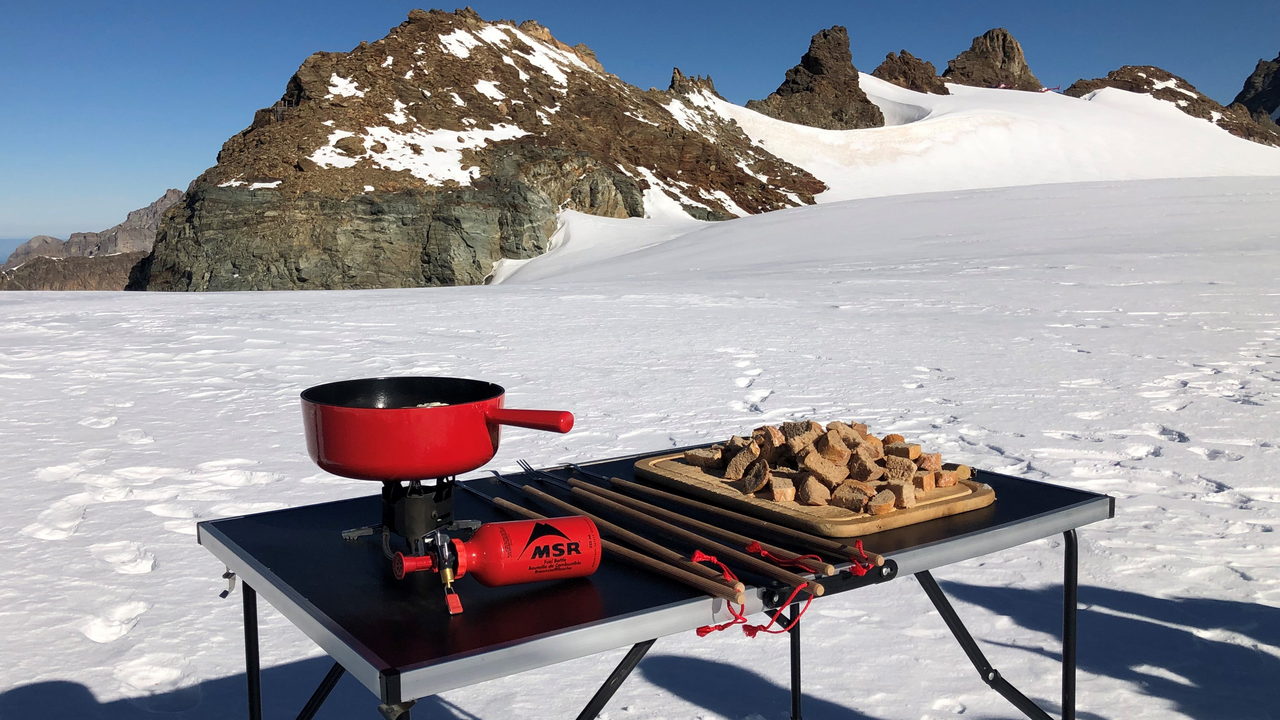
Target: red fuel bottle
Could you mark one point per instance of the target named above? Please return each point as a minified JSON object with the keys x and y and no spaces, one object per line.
{"x":522,"y":551}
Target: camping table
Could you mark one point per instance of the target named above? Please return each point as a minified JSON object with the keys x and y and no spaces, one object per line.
{"x":396,"y":638}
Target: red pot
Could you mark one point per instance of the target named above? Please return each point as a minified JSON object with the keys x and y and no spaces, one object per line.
{"x":378,"y":429}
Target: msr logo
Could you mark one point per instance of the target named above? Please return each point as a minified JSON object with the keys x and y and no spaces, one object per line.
{"x":552,"y":549}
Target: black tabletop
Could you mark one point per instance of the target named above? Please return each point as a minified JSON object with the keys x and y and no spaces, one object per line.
{"x":404,"y":624}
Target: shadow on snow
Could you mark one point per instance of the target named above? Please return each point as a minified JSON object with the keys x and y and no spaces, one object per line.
{"x":1200,"y":657}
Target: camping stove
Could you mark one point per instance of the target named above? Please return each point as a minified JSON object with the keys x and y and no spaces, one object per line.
{"x":419,"y":514}
{"x":415,"y":435}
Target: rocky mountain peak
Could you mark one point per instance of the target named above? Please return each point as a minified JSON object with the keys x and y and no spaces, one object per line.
{"x":1164,"y":85}
{"x":1261,"y":92}
{"x":908,"y":71}
{"x":424,"y":157}
{"x":682,"y":84}
{"x":823,"y":90}
{"x":828,"y":55}
{"x":995,"y":59}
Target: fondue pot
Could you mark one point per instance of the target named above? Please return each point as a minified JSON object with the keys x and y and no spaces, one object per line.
{"x":412,"y":428}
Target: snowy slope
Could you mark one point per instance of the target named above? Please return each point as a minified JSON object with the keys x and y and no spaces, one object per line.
{"x":1117,"y":337}
{"x":978,"y":138}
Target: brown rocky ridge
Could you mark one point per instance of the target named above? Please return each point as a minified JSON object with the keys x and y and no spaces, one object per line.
{"x":136,"y":234}
{"x":88,"y":260}
{"x":908,"y":71}
{"x":1164,"y":85}
{"x":823,"y":90}
{"x":425,"y":157}
{"x":101,"y":272}
{"x":995,"y":59}
{"x":1261,"y":93}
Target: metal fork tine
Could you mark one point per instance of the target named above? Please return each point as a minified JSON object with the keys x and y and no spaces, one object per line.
{"x":588,"y":473}
{"x":543,"y":476}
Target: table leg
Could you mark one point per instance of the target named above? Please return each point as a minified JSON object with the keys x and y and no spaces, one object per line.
{"x":322,"y":693}
{"x":615,"y":679}
{"x":251,"y":666}
{"x":1070,"y":588}
{"x":795,"y":661}
{"x":990,"y":675}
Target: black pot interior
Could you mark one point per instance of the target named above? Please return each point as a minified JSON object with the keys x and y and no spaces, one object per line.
{"x":401,"y":392}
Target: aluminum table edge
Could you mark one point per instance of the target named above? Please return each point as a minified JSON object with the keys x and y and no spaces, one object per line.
{"x":1003,"y":537}
{"x":582,"y":641}
{"x":358,"y":660}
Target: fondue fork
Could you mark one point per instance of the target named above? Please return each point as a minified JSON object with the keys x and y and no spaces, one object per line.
{"x":642,"y":543}
{"x":646,"y":513}
{"x":812,"y":543}
{"x":820,"y":567}
{"x":624,"y":554}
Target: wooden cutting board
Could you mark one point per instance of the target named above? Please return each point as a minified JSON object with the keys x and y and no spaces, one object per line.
{"x":673,"y":472}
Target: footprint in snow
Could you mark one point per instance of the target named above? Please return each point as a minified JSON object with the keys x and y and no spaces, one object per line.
{"x":1215,"y":454}
{"x":166,"y":679}
{"x":134,"y":436}
{"x":59,"y":522}
{"x":115,"y":623}
{"x":125,"y":557}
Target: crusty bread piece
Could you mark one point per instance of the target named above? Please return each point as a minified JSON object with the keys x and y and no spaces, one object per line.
{"x":849,"y":498}
{"x":707,"y":458}
{"x":754,"y":479}
{"x":801,"y":435}
{"x":864,"y":470}
{"x":875,"y":446}
{"x":901,"y":449}
{"x":899,"y":469}
{"x":923,"y":480}
{"x":773,"y":444}
{"x":823,"y":469}
{"x":963,"y":472}
{"x":737,"y":465}
{"x":831,"y":447}
{"x":850,"y":437}
{"x":866,"y":488}
{"x":945,"y":478}
{"x":904,"y":494}
{"x":892,"y":438}
{"x":929,"y":462}
{"x":882,"y":503}
{"x":782,"y":489}
{"x":812,"y":492}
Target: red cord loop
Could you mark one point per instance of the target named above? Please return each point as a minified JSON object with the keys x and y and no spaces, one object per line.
{"x":755,"y":549}
{"x":739,"y":615}
{"x":859,"y":568}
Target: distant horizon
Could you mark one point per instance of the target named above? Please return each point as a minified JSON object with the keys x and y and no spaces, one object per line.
{"x":154,"y":101}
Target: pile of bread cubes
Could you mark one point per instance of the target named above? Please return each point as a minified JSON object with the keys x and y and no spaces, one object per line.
{"x":840,"y":465}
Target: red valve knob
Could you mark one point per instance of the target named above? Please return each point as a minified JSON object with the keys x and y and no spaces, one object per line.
{"x":403,"y":564}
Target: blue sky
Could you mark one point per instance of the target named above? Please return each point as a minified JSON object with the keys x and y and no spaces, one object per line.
{"x":105,"y":105}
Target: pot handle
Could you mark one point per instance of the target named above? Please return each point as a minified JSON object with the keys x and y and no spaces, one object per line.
{"x":548,"y":420}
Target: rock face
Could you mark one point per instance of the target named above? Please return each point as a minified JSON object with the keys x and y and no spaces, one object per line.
{"x":1261,"y":93}
{"x":823,"y":91}
{"x":1164,"y":85}
{"x":908,"y":71}
{"x":994,"y":60}
{"x":136,"y":234}
{"x":425,"y":157}
{"x":101,"y":272}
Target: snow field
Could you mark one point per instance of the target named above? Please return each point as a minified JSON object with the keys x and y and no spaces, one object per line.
{"x":1120,"y":338}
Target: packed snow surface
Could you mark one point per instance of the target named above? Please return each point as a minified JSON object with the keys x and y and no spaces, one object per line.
{"x":1118,"y":337}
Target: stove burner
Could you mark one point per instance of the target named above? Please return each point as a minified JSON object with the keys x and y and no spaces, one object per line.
{"x":418,"y":513}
